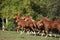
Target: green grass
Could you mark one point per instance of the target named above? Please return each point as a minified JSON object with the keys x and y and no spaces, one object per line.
{"x":12,"y":35}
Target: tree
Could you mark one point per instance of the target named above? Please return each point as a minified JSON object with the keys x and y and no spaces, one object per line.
{"x":34,"y":8}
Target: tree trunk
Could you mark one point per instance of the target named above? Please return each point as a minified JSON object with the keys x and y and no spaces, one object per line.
{"x":3,"y":27}
{"x":6,"y":21}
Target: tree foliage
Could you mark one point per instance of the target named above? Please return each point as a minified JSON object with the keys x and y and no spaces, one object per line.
{"x":34,"y":8}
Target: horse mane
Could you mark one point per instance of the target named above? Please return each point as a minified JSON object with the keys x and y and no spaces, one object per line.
{"x":45,"y":18}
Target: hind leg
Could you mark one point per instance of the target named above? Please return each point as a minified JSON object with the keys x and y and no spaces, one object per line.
{"x":47,"y":31}
{"x":43,"y":33}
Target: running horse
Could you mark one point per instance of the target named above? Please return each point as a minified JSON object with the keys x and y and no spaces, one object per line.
{"x":30,"y":22}
{"x":50,"y":25}
{"x":20,"y":22}
{"x":27,"y":23}
{"x":40,"y":27}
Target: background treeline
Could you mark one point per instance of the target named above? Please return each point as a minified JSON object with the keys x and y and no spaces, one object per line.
{"x":34,"y":8}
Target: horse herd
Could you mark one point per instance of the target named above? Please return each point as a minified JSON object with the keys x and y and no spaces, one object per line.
{"x":44,"y":25}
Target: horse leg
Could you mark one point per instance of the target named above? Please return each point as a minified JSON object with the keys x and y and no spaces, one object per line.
{"x":28,"y":31}
{"x":18,"y":28}
{"x":33,"y":30}
{"x":46,"y":33}
{"x":22,"y":31}
{"x":34,"y":25}
{"x":43,"y":33}
{"x":39,"y":30}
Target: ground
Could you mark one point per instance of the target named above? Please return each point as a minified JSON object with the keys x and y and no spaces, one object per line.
{"x":12,"y":35}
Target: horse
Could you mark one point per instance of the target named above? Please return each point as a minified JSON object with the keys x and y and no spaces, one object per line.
{"x":30,"y":22}
{"x":50,"y":25}
{"x":27,"y":23}
{"x":40,"y":26}
{"x":20,"y":22}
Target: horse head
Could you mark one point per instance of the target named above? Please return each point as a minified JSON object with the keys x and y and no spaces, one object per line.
{"x":16,"y":16}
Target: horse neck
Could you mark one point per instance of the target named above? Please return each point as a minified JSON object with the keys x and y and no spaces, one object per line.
{"x":47,"y":21}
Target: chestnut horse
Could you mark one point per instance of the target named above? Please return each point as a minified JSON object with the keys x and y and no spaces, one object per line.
{"x":30,"y":22}
{"x":20,"y":22}
{"x":27,"y":23}
{"x":40,"y":26}
{"x":49,"y":25}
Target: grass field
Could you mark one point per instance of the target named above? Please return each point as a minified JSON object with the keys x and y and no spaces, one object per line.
{"x":12,"y":35}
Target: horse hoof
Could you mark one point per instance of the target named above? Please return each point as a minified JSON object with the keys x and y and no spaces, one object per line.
{"x":17,"y":31}
{"x":50,"y":35}
{"x":34,"y":33}
{"x":38,"y":32}
{"x":27,"y":32}
{"x":55,"y":35}
{"x":42,"y":34}
{"x":21,"y":32}
{"x":46,"y":36}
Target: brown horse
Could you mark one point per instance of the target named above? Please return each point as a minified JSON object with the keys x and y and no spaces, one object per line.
{"x":20,"y":22}
{"x":24,"y":23}
{"x":29,"y":20}
{"x":47,"y":24}
{"x":50,"y":25}
{"x":40,"y":26}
